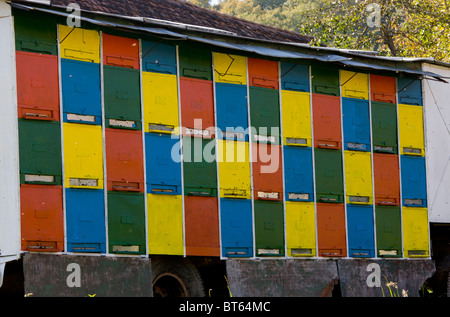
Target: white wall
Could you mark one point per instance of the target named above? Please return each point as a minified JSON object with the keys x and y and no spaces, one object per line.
{"x":437,"y":138}
{"x":9,"y":150}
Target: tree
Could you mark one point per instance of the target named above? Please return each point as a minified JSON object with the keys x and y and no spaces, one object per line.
{"x":286,"y":14}
{"x":269,"y":4}
{"x":201,"y":3}
{"x":413,"y":28}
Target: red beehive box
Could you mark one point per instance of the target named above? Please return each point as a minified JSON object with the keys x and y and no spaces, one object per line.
{"x":202,"y":226}
{"x":42,"y":221}
{"x":386,"y":179}
{"x":37,"y":86}
{"x":120,"y":51}
{"x":124,"y":160}
{"x":331,"y":233}
{"x":267,"y":171}
{"x":197,"y":103}
{"x":383,"y":88}
{"x":263,"y":73}
{"x":327,"y":121}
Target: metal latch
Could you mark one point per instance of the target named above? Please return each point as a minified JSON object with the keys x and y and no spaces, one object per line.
{"x":122,"y":123}
{"x":39,"y":179}
{"x":234,"y":192}
{"x":301,"y":252}
{"x":125,"y":248}
{"x":37,"y":115}
{"x":388,"y":252}
{"x":162,"y":190}
{"x":78,"y":117}
{"x":41,"y":245}
{"x":414,"y":202}
{"x":360,"y":253}
{"x":383,"y":148}
{"x":198,"y":193}
{"x":296,"y":196}
{"x":297,"y":141}
{"x":332,"y":252}
{"x":359,"y":199}
{"x":329,"y":198}
{"x":233,"y":135}
{"x":198,"y":132}
{"x":83,"y":182}
{"x":86,"y":247}
{"x":236,"y":253}
{"x":411,"y":150}
{"x":327,"y":144}
{"x":268,"y":195}
{"x":161,"y":127}
{"x":268,"y":251}
{"x":126,"y":186}
{"x":264,"y":138}
{"x":417,"y":252}
{"x":386,"y":201}
{"x":356,"y":146}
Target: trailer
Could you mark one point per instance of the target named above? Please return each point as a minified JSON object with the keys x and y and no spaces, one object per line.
{"x":154,"y":157}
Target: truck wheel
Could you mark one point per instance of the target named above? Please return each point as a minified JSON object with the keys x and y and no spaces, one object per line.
{"x":176,"y":277}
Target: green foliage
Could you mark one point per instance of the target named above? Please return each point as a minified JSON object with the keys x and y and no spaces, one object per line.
{"x":201,"y":3}
{"x":412,"y":28}
{"x":286,"y":14}
{"x":269,"y":4}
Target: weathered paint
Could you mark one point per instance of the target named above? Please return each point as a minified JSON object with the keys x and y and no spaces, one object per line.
{"x":83,"y":156}
{"x":234,"y":169}
{"x":437,"y":143}
{"x":354,"y":85}
{"x":57,"y":276}
{"x":9,"y":147}
{"x":165,"y":224}
{"x":201,"y":178}
{"x":319,"y":278}
{"x":409,"y":276}
{"x":281,"y":278}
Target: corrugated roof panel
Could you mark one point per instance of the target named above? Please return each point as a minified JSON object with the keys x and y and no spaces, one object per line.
{"x":316,"y":53}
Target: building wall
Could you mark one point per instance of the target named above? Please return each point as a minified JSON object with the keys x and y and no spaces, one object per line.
{"x":437,"y":115}
{"x":9,"y":158}
{"x":326,"y":163}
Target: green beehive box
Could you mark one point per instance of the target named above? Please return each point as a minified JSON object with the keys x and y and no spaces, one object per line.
{"x":329,"y":175}
{"x":126,"y":223}
{"x":325,"y":80}
{"x":384,"y":127}
{"x":35,"y":33}
{"x":195,"y":62}
{"x":199,"y":167}
{"x":269,"y":228}
{"x":40,"y":152}
{"x":122,"y":98}
{"x":388,"y":231}
{"x":265,"y":114}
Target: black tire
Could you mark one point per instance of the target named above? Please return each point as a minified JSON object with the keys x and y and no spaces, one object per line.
{"x":176,"y":277}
